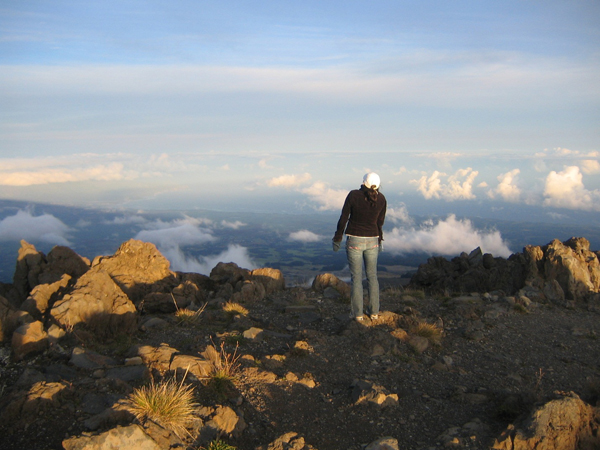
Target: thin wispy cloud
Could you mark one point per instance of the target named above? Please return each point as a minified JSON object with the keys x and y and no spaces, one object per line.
{"x":233,"y":225}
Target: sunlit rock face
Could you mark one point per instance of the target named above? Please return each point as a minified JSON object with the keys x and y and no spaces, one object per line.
{"x":554,"y":272}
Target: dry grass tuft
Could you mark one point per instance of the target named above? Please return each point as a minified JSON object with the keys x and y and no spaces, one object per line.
{"x":431,"y":332}
{"x":224,"y":367}
{"x":187,"y":316}
{"x":235,"y":309}
{"x":218,"y":445}
{"x":168,"y":403}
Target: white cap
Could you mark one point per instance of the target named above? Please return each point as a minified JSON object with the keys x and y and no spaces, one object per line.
{"x":371,"y":180}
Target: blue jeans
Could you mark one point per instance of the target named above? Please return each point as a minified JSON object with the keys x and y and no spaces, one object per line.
{"x":359,"y":249}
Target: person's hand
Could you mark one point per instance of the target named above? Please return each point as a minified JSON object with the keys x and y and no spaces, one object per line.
{"x":380,"y":246}
{"x":336,"y":245}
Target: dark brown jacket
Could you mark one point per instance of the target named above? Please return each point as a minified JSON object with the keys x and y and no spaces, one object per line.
{"x":363,"y":217}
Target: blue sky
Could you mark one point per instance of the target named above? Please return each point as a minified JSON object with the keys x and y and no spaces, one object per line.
{"x":283,"y":106}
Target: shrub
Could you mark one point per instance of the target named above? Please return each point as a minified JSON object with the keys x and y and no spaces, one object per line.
{"x":235,"y":309}
{"x":431,"y":332}
{"x":224,"y":367}
{"x":218,"y":445}
{"x":168,"y":403}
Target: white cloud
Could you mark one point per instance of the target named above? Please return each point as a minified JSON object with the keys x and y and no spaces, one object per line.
{"x":204,"y":264}
{"x":233,"y":225}
{"x":305,"y":236}
{"x":327,"y":198}
{"x":126,"y":220}
{"x":446,"y":237}
{"x":459,"y":186}
{"x":398,"y":214}
{"x":44,"y":228}
{"x":178,"y":233}
{"x":590,"y":166}
{"x":507,"y":189}
{"x":566,"y":190}
{"x":289,"y":181}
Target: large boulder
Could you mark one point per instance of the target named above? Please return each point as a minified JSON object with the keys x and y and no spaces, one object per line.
{"x":138,"y":268}
{"x":43,"y":296}
{"x":271,"y":279}
{"x":566,"y":423}
{"x":62,"y":260}
{"x":30,"y":264}
{"x":29,"y":338}
{"x":574,"y":266}
{"x":229,"y":273}
{"x":97,"y":303}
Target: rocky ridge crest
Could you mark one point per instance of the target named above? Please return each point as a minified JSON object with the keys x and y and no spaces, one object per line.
{"x":516,"y":360}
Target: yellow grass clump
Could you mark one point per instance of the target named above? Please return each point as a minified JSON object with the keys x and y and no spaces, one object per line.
{"x":431,"y":332}
{"x":235,"y":309}
{"x":167,"y":403}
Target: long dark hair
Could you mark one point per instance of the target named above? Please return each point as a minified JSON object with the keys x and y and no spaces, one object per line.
{"x":371,"y":194}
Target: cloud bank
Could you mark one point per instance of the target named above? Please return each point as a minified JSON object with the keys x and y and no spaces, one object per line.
{"x":44,"y":228}
{"x":171,"y":237}
{"x":446,"y":237}
{"x":204,"y":264}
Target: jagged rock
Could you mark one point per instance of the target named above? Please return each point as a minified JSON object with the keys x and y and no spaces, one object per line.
{"x":227,"y":422}
{"x":28,"y":339}
{"x":557,"y":271}
{"x":384,"y":443}
{"x":229,"y":273}
{"x":138,"y":268}
{"x":287,"y":441}
{"x":272,"y":279}
{"x":253,"y":334}
{"x":62,"y":260}
{"x":97,"y":303}
{"x":199,"y":367}
{"x":42,"y":397}
{"x":157,"y":357}
{"x":324,"y":280}
{"x":250,"y":292}
{"x":8,"y":319}
{"x":561,"y":424}
{"x":43,"y":295}
{"x":30,"y":264}
{"x":574,"y":266}
{"x":131,"y":437}
{"x":366,"y":392}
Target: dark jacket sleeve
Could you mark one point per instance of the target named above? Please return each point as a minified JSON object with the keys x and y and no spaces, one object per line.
{"x":381,"y":219}
{"x":341,"y":226}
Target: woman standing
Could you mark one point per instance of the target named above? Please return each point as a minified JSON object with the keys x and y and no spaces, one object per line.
{"x":364,"y":214}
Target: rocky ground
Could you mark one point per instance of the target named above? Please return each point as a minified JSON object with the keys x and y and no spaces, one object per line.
{"x":305,"y":367}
